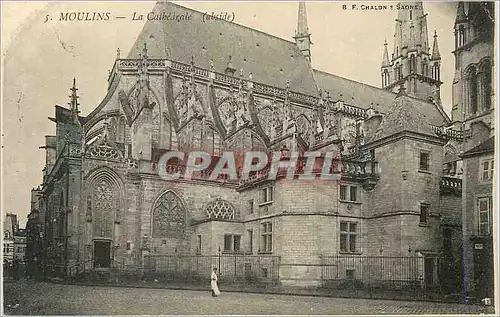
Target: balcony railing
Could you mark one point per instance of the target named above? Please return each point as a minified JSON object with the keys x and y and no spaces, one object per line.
{"x":451,"y":185}
{"x":449,"y":133}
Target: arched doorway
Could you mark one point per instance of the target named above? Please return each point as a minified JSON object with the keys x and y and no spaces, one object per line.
{"x":104,"y":210}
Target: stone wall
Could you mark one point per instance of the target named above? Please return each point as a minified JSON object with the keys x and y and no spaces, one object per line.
{"x":472,"y":189}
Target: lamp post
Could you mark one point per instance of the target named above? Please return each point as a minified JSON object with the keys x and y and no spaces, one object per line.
{"x":219,"y":262}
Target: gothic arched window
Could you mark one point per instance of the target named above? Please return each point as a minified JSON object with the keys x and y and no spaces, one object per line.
{"x":435,"y":71}
{"x":104,"y":207}
{"x":486,"y":84}
{"x":413,"y":64}
{"x":461,"y":36}
{"x":221,"y":209}
{"x":397,"y":71}
{"x":473,"y":95}
{"x":169,"y":217}
{"x":385,"y":78}
{"x":425,"y":68}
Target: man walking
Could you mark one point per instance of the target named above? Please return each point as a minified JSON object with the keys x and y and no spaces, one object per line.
{"x":214,"y":282}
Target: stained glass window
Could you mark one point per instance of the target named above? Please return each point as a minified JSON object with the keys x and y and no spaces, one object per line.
{"x":104,"y":207}
{"x":169,"y":217}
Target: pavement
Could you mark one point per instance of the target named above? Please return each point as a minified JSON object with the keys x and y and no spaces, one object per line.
{"x":26,"y":297}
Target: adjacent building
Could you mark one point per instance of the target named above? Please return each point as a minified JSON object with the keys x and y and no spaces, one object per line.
{"x":10,"y":227}
{"x":20,"y":246}
{"x":219,"y":87}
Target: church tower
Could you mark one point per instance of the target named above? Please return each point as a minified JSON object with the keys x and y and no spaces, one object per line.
{"x":412,"y":64}
{"x":302,"y":36}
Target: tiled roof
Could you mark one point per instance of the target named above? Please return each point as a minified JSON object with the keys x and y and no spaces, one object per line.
{"x":271,"y":60}
{"x":361,"y":95}
{"x":403,"y":116}
{"x":486,"y":146}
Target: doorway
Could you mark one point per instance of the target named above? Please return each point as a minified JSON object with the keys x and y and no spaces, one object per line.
{"x":429,"y":271}
{"x":102,"y":253}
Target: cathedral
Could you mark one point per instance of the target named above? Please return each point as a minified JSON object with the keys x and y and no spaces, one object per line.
{"x":401,"y":158}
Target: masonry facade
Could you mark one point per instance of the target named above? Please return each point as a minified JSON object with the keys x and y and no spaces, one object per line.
{"x":220,"y":87}
{"x":473,"y":108}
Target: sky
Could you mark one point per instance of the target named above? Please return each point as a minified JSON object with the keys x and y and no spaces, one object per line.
{"x":40,"y":60}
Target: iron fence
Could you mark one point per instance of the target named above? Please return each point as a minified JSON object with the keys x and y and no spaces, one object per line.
{"x":374,"y":274}
{"x":234,"y":267}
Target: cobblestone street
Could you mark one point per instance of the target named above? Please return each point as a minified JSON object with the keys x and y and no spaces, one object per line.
{"x":41,"y":298}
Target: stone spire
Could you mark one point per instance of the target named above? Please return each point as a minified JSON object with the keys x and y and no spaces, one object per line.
{"x":74,"y":99}
{"x":411,"y":61}
{"x":435,"y":48}
{"x":302,"y":36}
{"x":410,"y":31}
{"x":73,"y":104}
{"x":461,"y":17}
{"x":302,"y":28}
{"x":385,"y":57}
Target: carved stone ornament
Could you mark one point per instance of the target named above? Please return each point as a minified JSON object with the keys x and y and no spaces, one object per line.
{"x":349,"y":208}
{"x":75,"y":150}
{"x":188,"y":102}
{"x":221,"y":209}
{"x":104,"y":147}
{"x":404,"y":175}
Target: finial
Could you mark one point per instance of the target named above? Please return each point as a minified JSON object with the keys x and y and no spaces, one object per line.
{"x":192,"y":61}
{"x":327,"y":95}
{"x":167,"y":52}
{"x":211,"y":65}
{"x":250,"y":77}
{"x":385,"y":42}
{"x":118,"y":53}
{"x":287,"y":84}
{"x":241,"y":72}
{"x":435,"y":33}
{"x":320,"y":93}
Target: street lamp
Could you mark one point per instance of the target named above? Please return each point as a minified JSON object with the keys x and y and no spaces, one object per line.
{"x":219,"y":262}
